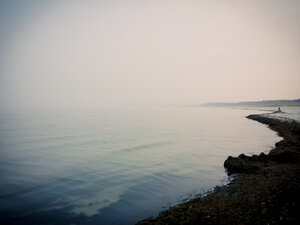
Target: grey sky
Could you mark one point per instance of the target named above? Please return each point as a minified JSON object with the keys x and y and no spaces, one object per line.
{"x":103,"y":53}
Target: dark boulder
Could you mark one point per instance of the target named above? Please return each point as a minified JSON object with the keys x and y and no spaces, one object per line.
{"x":240,"y":164}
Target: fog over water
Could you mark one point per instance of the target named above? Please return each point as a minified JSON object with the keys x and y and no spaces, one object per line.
{"x":96,"y":125}
{"x":78,"y":54}
{"x":96,"y":122}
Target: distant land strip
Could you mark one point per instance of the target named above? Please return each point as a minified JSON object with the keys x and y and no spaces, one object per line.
{"x":264,"y":103}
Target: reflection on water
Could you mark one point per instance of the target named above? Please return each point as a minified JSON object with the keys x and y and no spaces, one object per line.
{"x":116,"y":166}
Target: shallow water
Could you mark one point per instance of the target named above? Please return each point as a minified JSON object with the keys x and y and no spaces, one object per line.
{"x":117,"y":166}
{"x":288,"y":113}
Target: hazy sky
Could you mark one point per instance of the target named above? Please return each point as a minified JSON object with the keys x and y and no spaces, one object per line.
{"x":113,"y":52}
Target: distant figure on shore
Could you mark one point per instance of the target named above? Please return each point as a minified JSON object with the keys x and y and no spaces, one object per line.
{"x":278,"y":111}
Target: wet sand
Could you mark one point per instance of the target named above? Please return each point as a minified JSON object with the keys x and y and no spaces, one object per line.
{"x":265,"y":188}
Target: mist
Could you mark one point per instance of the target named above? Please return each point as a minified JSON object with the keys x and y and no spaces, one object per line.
{"x":83,"y":54}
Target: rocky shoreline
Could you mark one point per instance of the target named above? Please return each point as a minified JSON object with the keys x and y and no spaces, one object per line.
{"x":265,"y":189}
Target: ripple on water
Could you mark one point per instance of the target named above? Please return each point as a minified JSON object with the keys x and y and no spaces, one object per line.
{"x":88,"y":168}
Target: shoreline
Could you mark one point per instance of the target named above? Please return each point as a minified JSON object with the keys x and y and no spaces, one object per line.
{"x":265,"y":189}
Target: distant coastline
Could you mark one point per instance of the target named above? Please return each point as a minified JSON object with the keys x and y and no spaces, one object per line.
{"x":264,"y":103}
{"x":264,"y":190}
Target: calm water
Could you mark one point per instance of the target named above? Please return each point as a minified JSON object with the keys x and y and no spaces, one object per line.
{"x":117,"y":166}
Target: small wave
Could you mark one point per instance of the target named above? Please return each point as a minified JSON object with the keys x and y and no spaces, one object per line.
{"x":141,"y":147}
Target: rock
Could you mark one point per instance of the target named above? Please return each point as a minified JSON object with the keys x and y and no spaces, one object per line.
{"x":240,"y":164}
{"x":284,"y":156}
{"x":263,"y":157}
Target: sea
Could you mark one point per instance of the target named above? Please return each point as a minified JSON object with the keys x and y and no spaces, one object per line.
{"x":121,"y":165}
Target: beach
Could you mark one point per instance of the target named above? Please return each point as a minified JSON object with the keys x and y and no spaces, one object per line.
{"x":264,"y":188}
